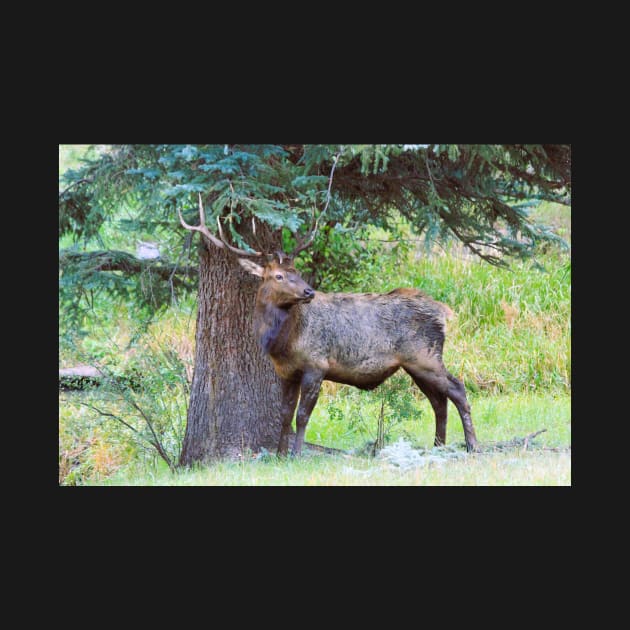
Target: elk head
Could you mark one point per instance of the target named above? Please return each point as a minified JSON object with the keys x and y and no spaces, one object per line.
{"x":282,"y":284}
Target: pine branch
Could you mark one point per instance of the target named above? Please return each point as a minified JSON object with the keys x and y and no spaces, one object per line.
{"x":113,"y":260}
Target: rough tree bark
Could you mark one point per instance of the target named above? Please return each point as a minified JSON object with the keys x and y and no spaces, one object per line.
{"x":235,"y":393}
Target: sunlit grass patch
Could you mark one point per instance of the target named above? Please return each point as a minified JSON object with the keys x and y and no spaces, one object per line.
{"x":497,"y":419}
{"x":349,"y":419}
{"x":105,"y":456}
{"x":516,"y":468}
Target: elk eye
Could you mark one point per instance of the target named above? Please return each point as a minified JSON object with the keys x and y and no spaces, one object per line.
{"x":278,"y":276}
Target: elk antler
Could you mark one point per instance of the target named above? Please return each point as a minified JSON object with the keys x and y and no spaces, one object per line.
{"x":206,"y":232}
{"x":236,"y":250}
{"x":302,"y":244}
{"x":282,"y":256}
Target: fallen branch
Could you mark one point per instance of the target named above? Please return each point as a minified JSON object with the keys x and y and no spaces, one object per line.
{"x":516,"y":442}
{"x":491,"y":447}
{"x":91,"y":263}
{"x":531,"y":436}
{"x":324,"y":449}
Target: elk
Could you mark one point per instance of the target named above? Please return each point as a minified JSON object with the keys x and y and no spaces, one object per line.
{"x":359,"y":339}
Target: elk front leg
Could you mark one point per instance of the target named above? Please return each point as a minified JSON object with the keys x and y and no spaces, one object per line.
{"x":309,"y":391}
{"x":290,"y":391}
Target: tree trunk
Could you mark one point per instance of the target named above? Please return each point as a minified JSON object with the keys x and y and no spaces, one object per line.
{"x":235,"y":393}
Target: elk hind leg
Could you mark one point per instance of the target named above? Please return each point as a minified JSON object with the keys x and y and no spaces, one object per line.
{"x":439,"y":402}
{"x":457,"y":393}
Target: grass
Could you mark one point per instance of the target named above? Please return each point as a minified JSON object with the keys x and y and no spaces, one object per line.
{"x":515,"y":469}
{"x":497,"y":419}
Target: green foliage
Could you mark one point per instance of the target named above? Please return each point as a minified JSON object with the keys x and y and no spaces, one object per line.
{"x":129,"y":192}
{"x":347,"y":257}
{"x":237,"y":182}
{"x":473,"y":193}
{"x":138,"y":414}
{"x":381,"y":413}
{"x":374,"y":157}
{"x":113,"y":276}
{"x":342,"y":259}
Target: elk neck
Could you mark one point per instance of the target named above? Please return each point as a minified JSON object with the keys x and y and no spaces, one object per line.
{"x":272,"y":325}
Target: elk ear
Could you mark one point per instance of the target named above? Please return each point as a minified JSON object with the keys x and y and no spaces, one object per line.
{"x":252,"y":267}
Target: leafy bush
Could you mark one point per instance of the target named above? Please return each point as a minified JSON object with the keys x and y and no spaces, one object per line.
{"x":117,"y":423}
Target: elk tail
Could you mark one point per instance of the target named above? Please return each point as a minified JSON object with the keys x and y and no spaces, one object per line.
{"x":448,"y":312}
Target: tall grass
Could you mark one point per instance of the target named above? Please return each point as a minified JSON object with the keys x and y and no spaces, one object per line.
{"x":512,"y":328}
